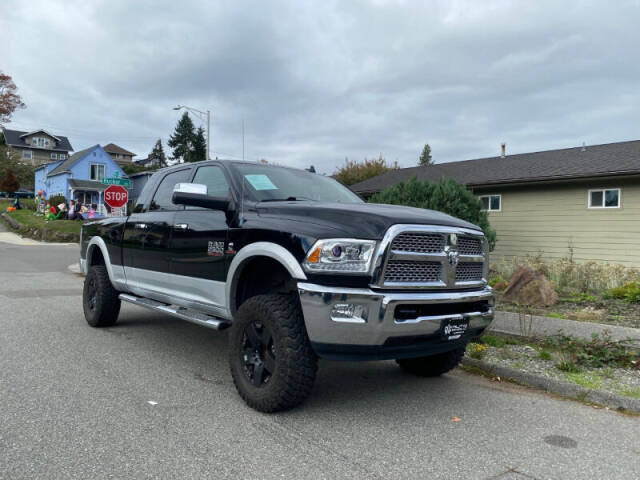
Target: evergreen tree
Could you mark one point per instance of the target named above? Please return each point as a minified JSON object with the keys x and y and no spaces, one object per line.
{"x":183,"y":139}
{"x":425,"y":156}
{"x":199,"y":151}
{"x":158,"y":154}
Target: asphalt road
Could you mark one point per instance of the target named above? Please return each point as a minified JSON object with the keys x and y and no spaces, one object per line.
{"x":76,"y":402}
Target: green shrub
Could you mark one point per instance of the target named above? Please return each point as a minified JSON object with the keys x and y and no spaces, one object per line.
{"x":544,"y":355}
{"x":56,"y":200}
{"x":446,"y":196}
{"x":600,"y":351}
{"x":569,"y":367}
{"x":493,"y":281}
{"x":476,"y":350}
{"x":629,"y":292}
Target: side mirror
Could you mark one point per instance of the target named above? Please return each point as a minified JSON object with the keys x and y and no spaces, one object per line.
{"x":195,"y":195}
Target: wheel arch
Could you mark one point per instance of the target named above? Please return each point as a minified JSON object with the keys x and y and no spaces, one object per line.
{"x":96,"y":250}
{"x":254,"y":252}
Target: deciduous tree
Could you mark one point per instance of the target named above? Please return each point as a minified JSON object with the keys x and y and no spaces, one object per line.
{"x":9,"y":182}
{"x":9,"y":99}
{"x":353,"y":172}
{"x":9,"y":160}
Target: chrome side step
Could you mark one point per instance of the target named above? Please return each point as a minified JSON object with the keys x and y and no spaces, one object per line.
{"x":180,"y":312}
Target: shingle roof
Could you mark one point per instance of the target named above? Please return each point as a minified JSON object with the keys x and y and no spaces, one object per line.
{"x":113,"y":148}
{"x":87,"y":184}
{"x":13,"y":138}
{"x":568,"y":163}
{"x":68,"y":163}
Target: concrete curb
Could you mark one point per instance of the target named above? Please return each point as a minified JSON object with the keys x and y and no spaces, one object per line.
{"x":509,"y":323}
{"x":558,"y":387}
{"x":75,"y":269}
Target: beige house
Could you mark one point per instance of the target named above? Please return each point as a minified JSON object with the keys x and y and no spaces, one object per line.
{"x":119,"y":154}
{"x":581,"y":203}
{"x":37,"y":147}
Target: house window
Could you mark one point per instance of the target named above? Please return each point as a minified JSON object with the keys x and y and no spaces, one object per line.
{"x":605,"y":198}
{"x":97,"y":172}
{"x":54,"y":156}
{"x":62,"y":156}
{"x":491,"y":203}
{"x":27,"y":154}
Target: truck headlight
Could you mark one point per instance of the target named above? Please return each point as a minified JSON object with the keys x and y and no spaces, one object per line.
{"x":342,"y":255}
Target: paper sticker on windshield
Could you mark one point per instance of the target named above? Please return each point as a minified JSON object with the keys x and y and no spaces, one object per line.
{"x":260,"y":182}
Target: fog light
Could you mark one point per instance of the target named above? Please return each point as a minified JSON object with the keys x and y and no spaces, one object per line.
{"x":349,"y":313}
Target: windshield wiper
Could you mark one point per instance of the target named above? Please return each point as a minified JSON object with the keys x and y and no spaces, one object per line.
{"x":288,"y":199}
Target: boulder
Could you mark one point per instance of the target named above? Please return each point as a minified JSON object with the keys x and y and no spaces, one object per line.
{"x":529,"y":287}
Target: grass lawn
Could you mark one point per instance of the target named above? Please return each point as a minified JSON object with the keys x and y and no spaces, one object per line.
{"x":30,"y":219}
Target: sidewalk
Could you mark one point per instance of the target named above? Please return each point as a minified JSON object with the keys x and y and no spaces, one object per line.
{"x":509,"y":323}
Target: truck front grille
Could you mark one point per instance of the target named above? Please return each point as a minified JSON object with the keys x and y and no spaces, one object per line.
{"x":421,"y":256}
{"x":469,"y":246}
{"x":398,"y":271}
{"x":418,"y":242}
{"x":469,"y":272}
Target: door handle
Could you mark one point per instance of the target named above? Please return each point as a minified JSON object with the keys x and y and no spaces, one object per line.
{"x":181,"y":226}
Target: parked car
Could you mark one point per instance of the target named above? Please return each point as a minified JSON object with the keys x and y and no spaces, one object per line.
{"x":298,"y":267}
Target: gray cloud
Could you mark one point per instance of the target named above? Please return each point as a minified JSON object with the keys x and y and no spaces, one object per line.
{"x":316,"y":82}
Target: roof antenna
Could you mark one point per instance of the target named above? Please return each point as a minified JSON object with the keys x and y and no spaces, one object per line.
{"x":243,"y":139}
{"x":584,"y":147}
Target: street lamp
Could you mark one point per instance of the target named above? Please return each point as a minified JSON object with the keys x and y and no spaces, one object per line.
{"x":201,"y":115}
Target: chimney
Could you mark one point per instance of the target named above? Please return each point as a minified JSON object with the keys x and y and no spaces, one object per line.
{"x":504,"y":147}
{"x":584,"y":147}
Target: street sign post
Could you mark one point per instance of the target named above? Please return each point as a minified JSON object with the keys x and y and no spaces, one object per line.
{"x":123,"y":182}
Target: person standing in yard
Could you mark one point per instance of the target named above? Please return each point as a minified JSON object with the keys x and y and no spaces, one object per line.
{"x":72,"y":210}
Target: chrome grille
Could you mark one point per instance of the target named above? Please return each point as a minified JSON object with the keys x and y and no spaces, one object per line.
{"x":469,"y":246}
{"x":469,"y":272}
{"x":418,"y":242}
{"x":431,"y":256}
{"x":398,"y":271}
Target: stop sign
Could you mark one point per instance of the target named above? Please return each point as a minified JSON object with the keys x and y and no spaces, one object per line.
{"x":116,"y":196}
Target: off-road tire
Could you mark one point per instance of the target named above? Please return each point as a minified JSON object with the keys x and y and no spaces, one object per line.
{"x":295,"y":362}
{"x":102,"y":309}
{"x":433,"y":365}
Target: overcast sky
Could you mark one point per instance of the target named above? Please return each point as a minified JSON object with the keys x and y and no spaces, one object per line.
{"x":316,"y":82}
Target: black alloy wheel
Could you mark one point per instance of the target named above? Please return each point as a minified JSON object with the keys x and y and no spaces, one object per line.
{"x":272,"y":363}
{"x":258,"y":354}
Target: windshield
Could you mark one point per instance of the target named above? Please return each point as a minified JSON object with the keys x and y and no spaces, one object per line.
{"x":267,"y":183}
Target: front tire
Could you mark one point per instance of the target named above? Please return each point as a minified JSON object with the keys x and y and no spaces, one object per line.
{"x":433,"y":365}
{"x":99,"y":299}
{"x":272,"y":363}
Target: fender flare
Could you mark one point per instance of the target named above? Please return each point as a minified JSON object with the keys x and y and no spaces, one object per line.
{"x":98,"y":242}
{"x":259,"y":249}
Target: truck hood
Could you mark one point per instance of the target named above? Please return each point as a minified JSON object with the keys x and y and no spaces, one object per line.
{"x":357,"y":220}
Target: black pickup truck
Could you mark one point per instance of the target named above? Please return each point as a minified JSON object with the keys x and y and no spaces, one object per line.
{"x":298,"y":267}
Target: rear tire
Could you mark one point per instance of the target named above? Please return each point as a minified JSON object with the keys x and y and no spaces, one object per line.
{"x":272,"y":363}
{"x":433,"y":365}
{"x":99,"y":299}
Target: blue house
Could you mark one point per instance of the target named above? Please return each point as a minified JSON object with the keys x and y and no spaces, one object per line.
{"x":79,"y":177}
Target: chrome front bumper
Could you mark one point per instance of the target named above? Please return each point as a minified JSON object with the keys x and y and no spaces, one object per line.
{"x":377,"y":327}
